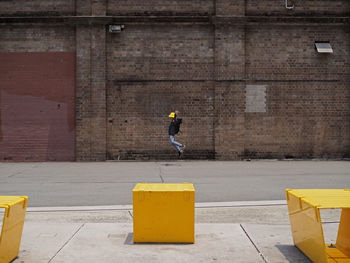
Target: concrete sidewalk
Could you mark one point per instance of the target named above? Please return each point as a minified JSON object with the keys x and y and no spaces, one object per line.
{"x":66,"y":221}
{"x":225,"y":232}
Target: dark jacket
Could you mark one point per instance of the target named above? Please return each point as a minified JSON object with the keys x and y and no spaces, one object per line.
{"x":174,"y":126}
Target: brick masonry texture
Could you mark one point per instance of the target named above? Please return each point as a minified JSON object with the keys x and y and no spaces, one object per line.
{"x":34,"y":38}
{"x":301,"y":7}
{"x":37,"y":8}
{"x":288,"y":53}
{"x":230,"y":53}
{"x":138,"y":119}
{"x":167,"y":52}
{"x":230,"y":8}
{"x":160,"y":7}
{"x":127,"y":83}
{"x":303,"y":120}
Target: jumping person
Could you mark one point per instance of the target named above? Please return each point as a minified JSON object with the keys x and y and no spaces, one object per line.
{"x":174,"y":128}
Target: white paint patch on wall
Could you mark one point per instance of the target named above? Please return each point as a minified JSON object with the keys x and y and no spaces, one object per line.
{"x":255,"y":98}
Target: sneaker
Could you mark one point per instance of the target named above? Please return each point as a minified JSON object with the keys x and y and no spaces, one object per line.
{"x":183,"y":147}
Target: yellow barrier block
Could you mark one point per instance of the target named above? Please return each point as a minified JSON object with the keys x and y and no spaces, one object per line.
{"x":163,"y":213}
{"x":12,"y":227}
{"x":304,"y":213}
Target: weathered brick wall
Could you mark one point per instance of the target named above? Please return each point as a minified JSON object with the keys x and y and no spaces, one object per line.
{"x":37,"y":8}
{"x":230,"y":120}
{"x":138,"y":119}
{"x":288,"y":53}
{"x":91,"y":84}
{"x":157,"y":7}
{"x":301,"y":7}
{"x":151,"y":72}
{"x":305,"y":112}
{"x":34,"y":38}
{"x":230,"y":7}
{"x":244,"y":90}
{"x":229,"y":52}
{"x":165,"y":52}
{"x":303,"y":120}
{"x":91,"y":93}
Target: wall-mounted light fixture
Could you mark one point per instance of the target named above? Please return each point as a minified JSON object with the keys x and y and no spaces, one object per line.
{"x":323,"y":47}
{"x":115,"y":28}
{"x":289,"y":6}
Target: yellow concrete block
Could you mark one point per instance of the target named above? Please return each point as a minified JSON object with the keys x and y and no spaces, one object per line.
{"x":304,"y":213}
{"x":163,"y":213}
{"x":12,"y":227}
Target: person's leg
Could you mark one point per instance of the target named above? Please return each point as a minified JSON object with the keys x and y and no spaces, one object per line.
{"x":176,"y":144}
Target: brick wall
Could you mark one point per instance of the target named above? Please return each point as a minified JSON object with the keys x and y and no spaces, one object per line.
{"x":91,"y":93}
{"x":138,"y":119}
{"x":245,"y":89}
{"x":37,"y":8}
{"x":288,"y":53}
{"x":301,"y":7}
{"x":230,"y":7}
{"x":230,"y":120}
{"x":229,"y":53}
{"x":166,"y":52}
{"x":151,"y":72}
{"x":163,"y":7}
{"x":35,"y":38}
{"x":303,"y":120}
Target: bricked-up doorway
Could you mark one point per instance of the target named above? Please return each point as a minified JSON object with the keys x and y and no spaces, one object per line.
{"x":37,"y":113}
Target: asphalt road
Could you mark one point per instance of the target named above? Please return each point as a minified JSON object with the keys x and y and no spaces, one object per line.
{"x":111,"y":183}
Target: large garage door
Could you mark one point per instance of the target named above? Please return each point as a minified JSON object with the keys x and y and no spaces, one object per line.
{"x":37,"y":105}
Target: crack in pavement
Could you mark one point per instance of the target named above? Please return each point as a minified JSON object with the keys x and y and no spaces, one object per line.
{"x":66,"y":243}
{"x":160,"y":173}
{"x":257,"y":249}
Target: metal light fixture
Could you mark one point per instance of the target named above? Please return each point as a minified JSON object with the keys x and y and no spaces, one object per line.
{"x":323,"y":47}
{"x":115,"y":28}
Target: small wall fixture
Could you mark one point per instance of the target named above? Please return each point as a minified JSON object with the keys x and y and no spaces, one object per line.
{"x":289,"y":6}
{"x":323,"y":47}
{"x":115,"y":28}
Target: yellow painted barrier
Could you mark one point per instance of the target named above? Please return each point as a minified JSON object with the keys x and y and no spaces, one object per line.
{"x":304,"y":213}
{"x":163,"y":213}
{"x":12,"y":226}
